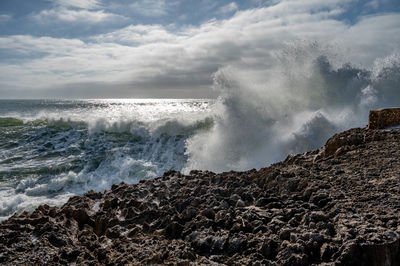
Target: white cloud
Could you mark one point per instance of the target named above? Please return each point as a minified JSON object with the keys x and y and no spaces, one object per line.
{"x":143,"y":57}
{"x":84,"y":4}
{"x":138,"y":34}
{"x":287,"y":7}
{"x":26,"y":44}
{"x":231,"y":7}
{"x":372,"y":36}
{"x":70,"y":15}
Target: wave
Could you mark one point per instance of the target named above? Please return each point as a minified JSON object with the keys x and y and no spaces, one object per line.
{"x":294,"y":106}
{"x":52,"y":159}
{"x":10,"y":122}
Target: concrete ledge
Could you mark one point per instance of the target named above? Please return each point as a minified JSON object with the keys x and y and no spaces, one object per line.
{"x":382,"y":118}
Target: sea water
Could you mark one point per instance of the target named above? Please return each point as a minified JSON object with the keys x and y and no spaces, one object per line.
{"x":51,"y":150}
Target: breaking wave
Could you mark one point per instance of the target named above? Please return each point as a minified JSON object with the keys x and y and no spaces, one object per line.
{"x":47,"y":160}
{"x":294,"y":106}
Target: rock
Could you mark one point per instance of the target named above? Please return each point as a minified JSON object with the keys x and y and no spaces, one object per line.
{"x":311,"y":209}
{"x":113,"y":232}
{"x":318,"y":216}
{"x":237,"y":243}
{"x":333,"y":144}
{"x":209,"y":213}
{"x":173,"y":230}
{"x":269,"y":249}
{"x":240,"y":204}
{"x":285,"y":234}
{"x":326,"y":252}
{"x":381,"y":118}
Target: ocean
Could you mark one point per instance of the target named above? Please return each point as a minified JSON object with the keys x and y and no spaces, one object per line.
{"x":51,"y":150}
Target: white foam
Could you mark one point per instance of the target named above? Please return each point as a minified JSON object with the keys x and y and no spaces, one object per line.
{"x":13,"y":201}
{"x":293,"y":106}
{"x":114,"y":145}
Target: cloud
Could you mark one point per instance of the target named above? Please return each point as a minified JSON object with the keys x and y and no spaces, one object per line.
{"x":371,"y":37}
{"x":138,"y":34}
{"x":156,"y":60}
{"x":374,"y":4}
{"x":84,"y":4}
{"x":5,"y":17}
{"x":306,"y":6}
{"x":71,"y":15}
{"x":151,"y":8}
{"x":229,"y":8}
{"x":26,"y":44}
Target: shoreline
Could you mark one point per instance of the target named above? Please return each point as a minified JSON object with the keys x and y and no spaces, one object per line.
{"x":335,"y":205}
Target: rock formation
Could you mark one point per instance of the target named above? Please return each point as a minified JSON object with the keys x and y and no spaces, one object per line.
{"x":382,"y":118}
{"x":339,"y":205}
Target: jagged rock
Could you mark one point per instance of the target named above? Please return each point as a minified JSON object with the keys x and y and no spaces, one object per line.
{"x":338,"y":205}
{"x":173,"y":230}
{"x":381,"y":118}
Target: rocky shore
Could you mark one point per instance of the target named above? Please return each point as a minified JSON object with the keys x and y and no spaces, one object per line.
{"x":339,"y":205}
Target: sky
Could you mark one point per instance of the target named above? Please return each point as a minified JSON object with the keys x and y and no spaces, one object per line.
{"x":171,"y":49}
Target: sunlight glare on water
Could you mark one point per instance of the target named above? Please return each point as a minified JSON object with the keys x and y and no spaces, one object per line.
{"x":53,"y":149}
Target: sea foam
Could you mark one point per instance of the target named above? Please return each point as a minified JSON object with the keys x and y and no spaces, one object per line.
{"x":307,"y":94}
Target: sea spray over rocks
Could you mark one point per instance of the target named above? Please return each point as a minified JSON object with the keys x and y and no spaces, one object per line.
{"x":338,"y":204}
{"x":292,"y":104}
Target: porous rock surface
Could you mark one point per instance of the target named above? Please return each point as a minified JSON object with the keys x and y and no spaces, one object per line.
{"x":383,"y":118}
{"x":335,"y":206}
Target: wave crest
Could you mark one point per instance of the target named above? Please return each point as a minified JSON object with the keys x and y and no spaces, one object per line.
{"x":295,"y":105}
